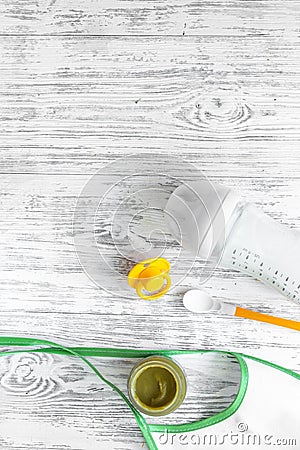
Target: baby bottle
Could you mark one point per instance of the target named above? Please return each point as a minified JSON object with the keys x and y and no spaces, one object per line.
{"x":219,"y":224}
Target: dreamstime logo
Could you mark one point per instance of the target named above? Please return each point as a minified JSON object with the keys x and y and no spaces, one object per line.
{"x":239,"y":438}
{"x":142,"y":207}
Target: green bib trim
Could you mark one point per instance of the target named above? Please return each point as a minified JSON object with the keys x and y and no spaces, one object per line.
{"x":84,"y":352}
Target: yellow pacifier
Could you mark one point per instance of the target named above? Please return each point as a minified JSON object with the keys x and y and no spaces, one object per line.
{"x":150,"y":278}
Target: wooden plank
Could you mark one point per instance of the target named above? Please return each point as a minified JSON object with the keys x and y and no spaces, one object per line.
{"x":139,"y":330}
{"x":65,"y":403}
{"x":39,"y":268}
{"x":228,"y":159}
{"x":68,"y":104}
{"x":227,"y":100}
{"x":156,"y":17}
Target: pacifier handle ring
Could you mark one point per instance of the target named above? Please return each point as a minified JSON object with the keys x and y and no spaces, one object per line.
{"x":139,"y":289}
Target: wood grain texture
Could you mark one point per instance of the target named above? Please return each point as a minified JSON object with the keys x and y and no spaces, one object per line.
{"x":217,"y":83}
{"x":154,"y":17}
{"x":39,"y":262}
{"x":68,"y":104}
{"x":88,"y":414}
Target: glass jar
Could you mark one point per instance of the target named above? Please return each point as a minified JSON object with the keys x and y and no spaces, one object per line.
{"x":157,"y":386}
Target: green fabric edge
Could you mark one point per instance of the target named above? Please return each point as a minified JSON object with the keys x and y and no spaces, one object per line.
{"x":17,"y":341}
{"x":197,"y":425}
{"x":134,"y":353}
{"x":146,"y":429}
{"x":193,"y":426}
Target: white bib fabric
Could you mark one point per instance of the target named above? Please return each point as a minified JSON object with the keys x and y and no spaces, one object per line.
{"x":265,"y":413}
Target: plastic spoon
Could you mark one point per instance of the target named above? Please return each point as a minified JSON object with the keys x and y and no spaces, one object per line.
{"x":200,"y":302}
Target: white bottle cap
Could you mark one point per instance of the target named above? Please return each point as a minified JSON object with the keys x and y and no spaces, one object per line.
{"x":197,"y":214}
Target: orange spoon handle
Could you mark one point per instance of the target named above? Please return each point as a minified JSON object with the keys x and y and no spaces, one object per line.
{"x":248,"y":314}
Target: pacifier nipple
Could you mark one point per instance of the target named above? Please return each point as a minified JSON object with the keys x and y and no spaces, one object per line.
{"x":150,"y":278}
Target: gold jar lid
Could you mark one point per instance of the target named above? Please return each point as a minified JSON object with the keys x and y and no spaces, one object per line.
{"x":157,"y":386}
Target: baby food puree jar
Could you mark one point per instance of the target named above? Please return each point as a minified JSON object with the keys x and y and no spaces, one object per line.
{"x":157,"y":386}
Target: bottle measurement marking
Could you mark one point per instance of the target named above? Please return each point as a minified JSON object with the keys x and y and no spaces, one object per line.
{"x":246,"y":260}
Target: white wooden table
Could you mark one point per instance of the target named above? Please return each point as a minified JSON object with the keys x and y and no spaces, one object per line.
{"x":82,"y":83}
